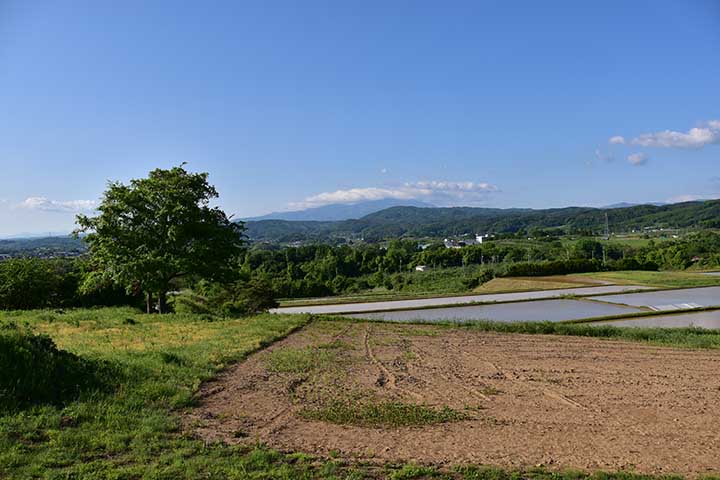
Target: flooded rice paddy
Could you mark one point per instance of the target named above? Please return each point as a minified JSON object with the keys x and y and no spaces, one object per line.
{"x":537,"y":311}
{"x":709,"y":320}
{"x":668,"y":299}
{"x":559,"y":310}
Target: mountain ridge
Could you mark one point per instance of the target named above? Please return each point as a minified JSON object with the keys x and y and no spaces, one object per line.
{"x":397,"y":222}
{"x":338,"y":211}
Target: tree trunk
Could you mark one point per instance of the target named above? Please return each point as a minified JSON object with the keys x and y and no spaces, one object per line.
{"x":162,"y":302}
{"x":149,"y":303}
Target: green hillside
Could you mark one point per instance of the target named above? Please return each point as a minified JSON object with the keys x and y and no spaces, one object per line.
{"x":438,"y":222}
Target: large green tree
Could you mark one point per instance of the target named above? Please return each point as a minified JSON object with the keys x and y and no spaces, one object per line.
{"x":161,"y":228}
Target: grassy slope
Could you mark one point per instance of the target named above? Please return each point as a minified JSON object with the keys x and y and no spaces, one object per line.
{"x":134,"y":433}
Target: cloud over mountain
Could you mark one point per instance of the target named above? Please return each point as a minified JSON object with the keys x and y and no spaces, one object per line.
{"x":437,"y":192}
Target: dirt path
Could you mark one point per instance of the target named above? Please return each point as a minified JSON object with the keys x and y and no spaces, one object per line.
{"x":560,"y":402}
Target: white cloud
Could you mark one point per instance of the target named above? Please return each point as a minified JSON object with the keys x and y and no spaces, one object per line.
{"x":383,"y":170}
{"x":47,"y":205}
{"x":706,"y":134}
{"x":691,"y":198}
{"x":604,"y":157}
{"x":638,"y":159}
{"x":617,"y":140}
{"x":439,"y":192}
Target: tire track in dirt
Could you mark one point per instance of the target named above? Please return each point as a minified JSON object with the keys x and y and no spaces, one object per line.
{"x":452,"y":372}
{"x":548,"y":392}
{"x":278,"y":421}
{"x":386,"y":378}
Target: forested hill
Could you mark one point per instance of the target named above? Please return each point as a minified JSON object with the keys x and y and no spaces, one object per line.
{"x":440,"y":222}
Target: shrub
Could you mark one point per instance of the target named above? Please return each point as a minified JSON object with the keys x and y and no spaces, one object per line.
{"x":189,"y":302}
{"x":252,"y":297}
{"x":27,"y":283}
{"x":34,"y":371}
{"x":557,"y":267}
{"x":631,"y":264}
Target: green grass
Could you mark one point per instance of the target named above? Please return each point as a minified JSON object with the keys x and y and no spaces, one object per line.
{"x":489,"y":473}
{"x":411,"y":471}
{"x":382,"y":414}
{"x":671,"y":337}
{"x":303,"y":360}
{"x":134,"y":431}
{"x":663,"y":279}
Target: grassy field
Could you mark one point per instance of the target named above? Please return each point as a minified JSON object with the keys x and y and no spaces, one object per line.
{"x":134,"y":431}
{"x":664,"y":279}
{"x":522,"y":284}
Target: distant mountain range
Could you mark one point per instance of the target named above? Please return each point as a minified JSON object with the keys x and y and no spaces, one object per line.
{"x":436,"y":222}
{"x":626,"y":204}
{"x":339,"y":211}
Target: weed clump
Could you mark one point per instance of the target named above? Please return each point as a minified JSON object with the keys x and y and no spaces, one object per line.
{"x":383,"y":414}
{"x":303,"y":360}
{"x":33,"y":370}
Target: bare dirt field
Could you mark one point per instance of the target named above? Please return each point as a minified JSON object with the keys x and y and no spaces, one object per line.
{"x":451,"y":396}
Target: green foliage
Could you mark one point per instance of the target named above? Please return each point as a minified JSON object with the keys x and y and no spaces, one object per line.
{"x":159,"y":229}
{"x":34,"y":371}
{"x":557,"y":267}
{"x":189,"y":302}
{"x":27,"y":283}
{"x":410,"y":471}
{"x":254,"y":296}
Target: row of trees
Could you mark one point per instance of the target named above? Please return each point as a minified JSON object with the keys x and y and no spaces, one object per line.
{"x":161,"y":234}
{"x":318,"y":270}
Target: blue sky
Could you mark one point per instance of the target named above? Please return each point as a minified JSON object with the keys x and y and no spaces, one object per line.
{"x":291,"y":104}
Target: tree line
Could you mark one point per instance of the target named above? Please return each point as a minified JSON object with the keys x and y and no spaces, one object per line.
{"x":258,"y":275}
{"x":161,"y":235}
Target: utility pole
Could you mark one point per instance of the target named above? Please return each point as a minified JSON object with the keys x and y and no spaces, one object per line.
{"x":607,"y":227}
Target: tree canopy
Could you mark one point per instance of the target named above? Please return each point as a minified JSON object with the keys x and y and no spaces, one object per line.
{"x":158,"y":229}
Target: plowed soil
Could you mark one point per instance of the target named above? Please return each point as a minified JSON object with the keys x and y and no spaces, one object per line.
{"x":530,"y":400}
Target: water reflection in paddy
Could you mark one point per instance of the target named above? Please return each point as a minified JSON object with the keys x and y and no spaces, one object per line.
{"x":705,"y":296}
{"x":545,"y":310}
{"x":709,"y":320}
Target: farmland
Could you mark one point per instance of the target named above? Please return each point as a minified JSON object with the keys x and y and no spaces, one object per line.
{"x":449,"y":396}
{"x":346,"y":398}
